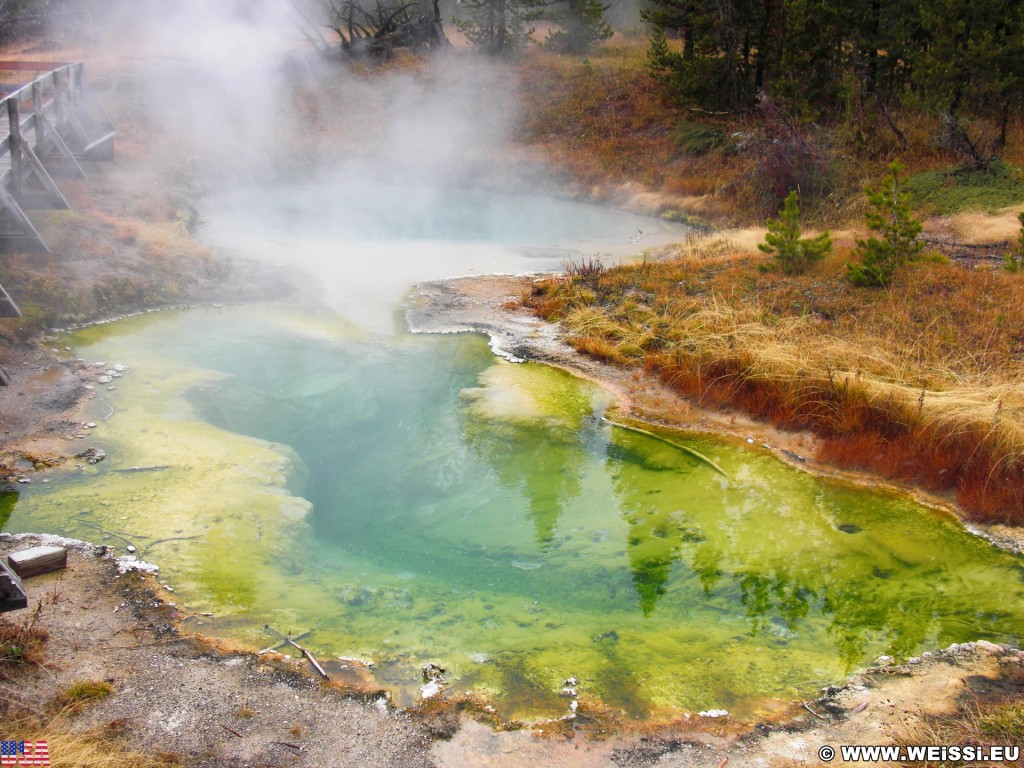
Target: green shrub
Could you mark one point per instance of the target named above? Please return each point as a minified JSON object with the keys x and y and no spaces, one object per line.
{"x":696,"y":139}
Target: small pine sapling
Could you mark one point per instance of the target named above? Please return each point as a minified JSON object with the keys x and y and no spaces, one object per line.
{"x":891,"y":217}
{"x":793,"y":254}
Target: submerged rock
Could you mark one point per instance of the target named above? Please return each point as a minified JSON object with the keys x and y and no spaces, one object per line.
{"x":92,"y":455}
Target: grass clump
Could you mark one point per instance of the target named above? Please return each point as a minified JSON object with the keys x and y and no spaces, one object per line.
{"x":83,"y":692}
{"x":697,"y":139}
{"x":72,"y":747}
{"x":22,"y":641}
{"x":1003,"y":725}
{"x":953,"y":190}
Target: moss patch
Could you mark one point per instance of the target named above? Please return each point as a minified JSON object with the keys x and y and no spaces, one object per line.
{"x":953,"y":190}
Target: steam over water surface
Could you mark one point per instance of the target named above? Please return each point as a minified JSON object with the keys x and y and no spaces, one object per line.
{"x":412,"y":499}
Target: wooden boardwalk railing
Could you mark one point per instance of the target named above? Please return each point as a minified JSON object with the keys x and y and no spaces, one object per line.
{"x":51,"y":125}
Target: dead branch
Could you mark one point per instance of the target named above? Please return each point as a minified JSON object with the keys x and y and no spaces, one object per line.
{"x":308,"y":655}
{"x":820,"y":717}
{"x":284,"y":639}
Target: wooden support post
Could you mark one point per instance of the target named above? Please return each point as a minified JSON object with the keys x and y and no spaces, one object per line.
{"x":51,"y":196}
{"x":58,"y":101}
{"x":50,"y":147}
{"x":17,"y":233}
{"x":8,"y":309}
{"x":12,"y":593}
{"x":38,"y":120}
{"x":17,"y":162}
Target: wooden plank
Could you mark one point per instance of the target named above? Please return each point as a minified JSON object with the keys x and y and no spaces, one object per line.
{"x":8,"y":309}
{"x":32,"y":562}
{"x":12,"y":593}
{"x":50,"y":147}
{"x":16,"y":231}
{"x":101,"y":148}
{"x":31,"y":66}
{"x":51,"y":196}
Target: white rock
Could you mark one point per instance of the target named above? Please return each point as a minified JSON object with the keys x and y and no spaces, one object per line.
{"x":714,"y":713}
{"x":431,"y":689}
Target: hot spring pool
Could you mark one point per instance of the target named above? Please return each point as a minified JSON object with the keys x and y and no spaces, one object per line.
{"x":412,"y":499}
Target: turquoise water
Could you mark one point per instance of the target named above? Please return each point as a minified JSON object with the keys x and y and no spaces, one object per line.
{"x":413,"y":500}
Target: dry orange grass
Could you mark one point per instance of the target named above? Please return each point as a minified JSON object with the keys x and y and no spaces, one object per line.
{"x":921,"y":383}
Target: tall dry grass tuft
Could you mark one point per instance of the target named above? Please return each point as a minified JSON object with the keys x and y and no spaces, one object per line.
{"x":922,"y":383}
{"x":71,"y":747}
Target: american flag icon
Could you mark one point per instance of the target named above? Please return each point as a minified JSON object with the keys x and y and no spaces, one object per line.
{"x":24,"y":753}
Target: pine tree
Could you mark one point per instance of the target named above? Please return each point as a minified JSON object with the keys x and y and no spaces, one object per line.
{"x":582,"y":26}
{"x":497,"y":27}
{"x":793,"y":253}
{"x":891,"y":217}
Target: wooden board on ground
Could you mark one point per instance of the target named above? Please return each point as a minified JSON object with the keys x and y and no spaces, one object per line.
{"x":32,"y":562}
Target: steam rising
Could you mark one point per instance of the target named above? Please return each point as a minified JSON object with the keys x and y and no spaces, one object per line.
{"x":303,"y":157}
{"x":237,"y":88}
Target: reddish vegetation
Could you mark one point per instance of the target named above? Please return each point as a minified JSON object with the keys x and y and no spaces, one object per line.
{"x":920,"y":384}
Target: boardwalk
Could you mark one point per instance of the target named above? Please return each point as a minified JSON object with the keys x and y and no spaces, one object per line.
{"x":51,"y":125}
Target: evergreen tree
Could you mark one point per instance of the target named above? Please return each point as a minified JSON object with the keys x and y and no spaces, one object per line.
{"x":497,"y":27}
{"x":582,"y":26}
{"x":891,"y":217}
{"x":728,"y":47}
{"x":793,"y":253}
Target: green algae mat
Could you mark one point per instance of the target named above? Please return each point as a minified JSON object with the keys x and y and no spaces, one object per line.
{"x":411,"y":499}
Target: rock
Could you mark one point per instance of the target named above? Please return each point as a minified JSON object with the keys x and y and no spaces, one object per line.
{"x":432,"y":673}
{"x":92,"y":455}
{"x":987,"y":647}
{"x":714,"y":713}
